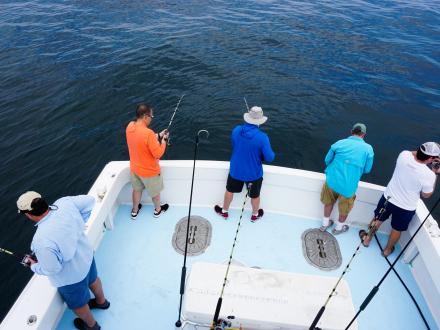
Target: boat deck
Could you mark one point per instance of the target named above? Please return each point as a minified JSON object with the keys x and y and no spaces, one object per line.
{"x":141,"y":271}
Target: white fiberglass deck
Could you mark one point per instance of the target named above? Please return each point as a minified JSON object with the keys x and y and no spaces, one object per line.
{"x":141,"y":271}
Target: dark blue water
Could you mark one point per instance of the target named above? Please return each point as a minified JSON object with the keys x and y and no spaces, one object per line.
{"x":71,"y":73}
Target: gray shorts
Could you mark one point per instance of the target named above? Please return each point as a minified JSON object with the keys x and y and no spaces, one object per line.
{"x":153,"y":184}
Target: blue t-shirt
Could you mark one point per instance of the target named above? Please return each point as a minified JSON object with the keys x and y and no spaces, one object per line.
{"x":250,"y":147}
{"x":346,"y":161}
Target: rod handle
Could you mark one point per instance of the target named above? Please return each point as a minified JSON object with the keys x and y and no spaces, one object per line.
{"x":217,"y":310}
{"x":317,"y":317}
{"x":182,"y":280}
{"x":369,"y":297}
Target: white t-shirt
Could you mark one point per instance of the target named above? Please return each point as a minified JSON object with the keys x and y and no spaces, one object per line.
{"x":409,"y":179}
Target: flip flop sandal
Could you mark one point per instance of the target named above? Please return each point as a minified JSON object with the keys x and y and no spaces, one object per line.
{"x":392,"y":250}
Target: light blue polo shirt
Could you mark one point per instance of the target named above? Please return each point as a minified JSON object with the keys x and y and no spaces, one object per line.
{"x":346,"y":161}
{"x":60,"y":244}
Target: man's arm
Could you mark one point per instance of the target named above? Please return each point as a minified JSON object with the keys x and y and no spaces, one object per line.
{"x":85,"y":204}
{"x":329,"y":157}
{"x":48,"y":261}
{"x":369,"y":163}
{"x":156,"y":148}
{"x":427,"y":195}
{"x":268,"y":154}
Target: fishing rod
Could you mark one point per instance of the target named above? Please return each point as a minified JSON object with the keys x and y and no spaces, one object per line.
{"x":171,"y":121}
{"x":21,"y":259}
{"x":371,"y":231}
{"x":174,"y":113}
{"x":376,"y":287}
{"x":178,"y":323}
{"x":216,"y":320}
{"x":247,"y":107}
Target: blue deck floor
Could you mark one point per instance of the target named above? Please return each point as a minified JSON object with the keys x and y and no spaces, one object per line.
{"x":141,"y":271}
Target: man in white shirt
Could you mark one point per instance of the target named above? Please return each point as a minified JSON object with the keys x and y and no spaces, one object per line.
{"x":412,"y":179}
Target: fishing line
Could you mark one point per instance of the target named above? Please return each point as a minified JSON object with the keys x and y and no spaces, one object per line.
{"x":404,"y":285}
{"x":376,"y":288}
{"x":220,"y":299}
{"x":371,"y":230}
{"x":178,"y":323}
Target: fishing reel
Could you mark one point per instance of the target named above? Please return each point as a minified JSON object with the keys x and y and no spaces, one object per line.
{"x":25,"y":260}
{"x":222,"y":324}
{"x":435,"y":165}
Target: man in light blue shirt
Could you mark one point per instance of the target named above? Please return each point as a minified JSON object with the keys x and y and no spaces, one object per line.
{"x":346,"y":161}
{"x":63,"y":252}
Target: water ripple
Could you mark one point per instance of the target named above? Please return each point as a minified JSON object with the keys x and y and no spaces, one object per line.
{"x":72,"y":72}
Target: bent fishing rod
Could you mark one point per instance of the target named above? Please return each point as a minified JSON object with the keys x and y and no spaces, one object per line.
{"x":174,"y":113}
{"x":178,"y":323}
{"x":371,"y":231}
{"x":171,"y":121}
{"x":376,"y":287}
{"x":220,"y":299}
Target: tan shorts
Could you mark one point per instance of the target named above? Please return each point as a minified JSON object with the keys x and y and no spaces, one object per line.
{"x":153,"y":184}
{"x":328,"y":196}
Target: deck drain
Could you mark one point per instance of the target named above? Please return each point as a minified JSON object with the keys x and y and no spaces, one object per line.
{"x":321,"y":249}
{"x":199,"y":236}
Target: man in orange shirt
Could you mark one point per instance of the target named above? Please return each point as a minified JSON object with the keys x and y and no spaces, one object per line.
{"x":145,"y":149}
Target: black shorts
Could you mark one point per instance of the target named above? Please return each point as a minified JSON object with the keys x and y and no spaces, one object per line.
{"x":400,"y":218}
{"x":236,"y":186}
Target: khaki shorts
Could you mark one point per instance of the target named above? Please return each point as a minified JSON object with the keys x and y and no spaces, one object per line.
{"x":328,"y":196}
{"x":153,"y":184}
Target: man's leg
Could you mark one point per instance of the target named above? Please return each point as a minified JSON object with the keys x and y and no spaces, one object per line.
{"x":156,"y":202}
{"x":227,"y":200}
{"x":328,"y":208}
{"x":344,"y":207}
{"x":392,"y":240}
{"x":97,"y":290}
{"x":136,"y":197}
{"x":328,"y":198}
{"x":255,"y":202}
{"x":85,"y":314}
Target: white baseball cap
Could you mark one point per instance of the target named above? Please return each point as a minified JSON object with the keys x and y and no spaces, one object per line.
{"x":24,"y":202}
{"x":430,"y":148}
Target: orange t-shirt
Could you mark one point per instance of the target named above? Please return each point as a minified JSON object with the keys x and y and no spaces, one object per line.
{"x":144,"y":149}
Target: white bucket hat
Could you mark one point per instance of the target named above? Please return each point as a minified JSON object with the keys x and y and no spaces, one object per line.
{"x":24,"y":202}
{"x":430,"y":148}
{"x":255,"y":116}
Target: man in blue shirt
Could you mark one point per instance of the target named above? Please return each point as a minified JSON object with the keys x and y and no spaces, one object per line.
{"x":346,"y":161}
{"x":250,"y":147}
{"x":63,"y":252}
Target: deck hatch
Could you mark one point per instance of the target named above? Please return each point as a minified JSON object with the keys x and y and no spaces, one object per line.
{"x":199,"y":236}
{"x":321,"y":249}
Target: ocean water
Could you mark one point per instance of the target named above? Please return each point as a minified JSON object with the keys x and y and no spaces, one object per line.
{"x":72,"y":72}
